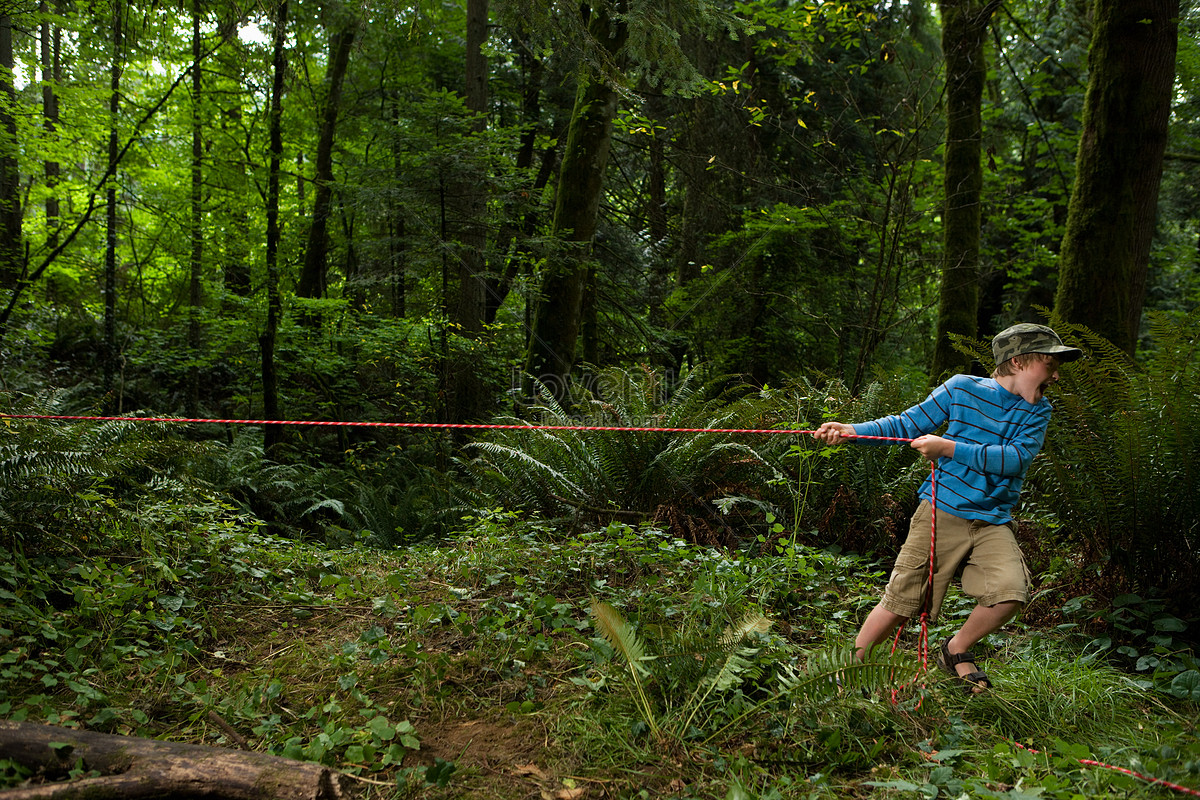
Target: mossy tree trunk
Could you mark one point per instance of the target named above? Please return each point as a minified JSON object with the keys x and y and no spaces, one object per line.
{"x":1110,"y":223}
{"x":465,"y":389}
{"x":556,"y":323}
{"x":964,"y":31}
{"x":313,"y":275}
{"x":10,"y":184}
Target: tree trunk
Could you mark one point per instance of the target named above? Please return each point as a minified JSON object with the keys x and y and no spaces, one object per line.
{"x":556,"y":322}
{"x":110,"y":198}
{"x":273,"y":434}
{"x":10,"y":189}
{"x":467,"y":401}
{"x":197,"y":221}
{"x":1110,"y":222}
{"x":313,"y":277}
{"x":511,"y":250}
{"x":51,"y":53}
{"x":133,"y":768}
{"x":964,"y":31}
{"x":397,"y":257}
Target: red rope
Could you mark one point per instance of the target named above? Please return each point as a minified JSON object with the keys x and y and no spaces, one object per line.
{"x":1090,"y":763}
{"x":456,"y":425}
{"x":435,"y":425}
{"x":927,"y":603}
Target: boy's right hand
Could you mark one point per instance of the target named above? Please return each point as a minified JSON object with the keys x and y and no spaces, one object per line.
{"x":833,"y":432}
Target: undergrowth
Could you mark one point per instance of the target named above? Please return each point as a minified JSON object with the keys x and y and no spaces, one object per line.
{"x":479,"y":666}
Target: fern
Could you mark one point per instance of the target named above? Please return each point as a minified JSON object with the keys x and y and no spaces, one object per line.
{"x":828,"y":672}
{"x":674,"y":478}
{"x":618,"y":633}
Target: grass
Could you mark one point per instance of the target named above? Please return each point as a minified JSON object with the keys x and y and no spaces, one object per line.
{"x":473,"y":667}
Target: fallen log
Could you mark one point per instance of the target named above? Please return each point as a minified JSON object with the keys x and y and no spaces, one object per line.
{"x":133,"y":768}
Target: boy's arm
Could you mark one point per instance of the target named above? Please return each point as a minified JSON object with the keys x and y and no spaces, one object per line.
{"x":922,"y":419}
{"x":1011,"y":457}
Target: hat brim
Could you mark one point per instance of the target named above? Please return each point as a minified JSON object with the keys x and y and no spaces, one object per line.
{"x":1062,"y":353}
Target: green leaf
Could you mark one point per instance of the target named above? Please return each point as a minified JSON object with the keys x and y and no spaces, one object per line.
{"x":439,"y":774}
{"x":382,"y":729}
{"x":1187,"y":685}
{"x":1169,"y":623}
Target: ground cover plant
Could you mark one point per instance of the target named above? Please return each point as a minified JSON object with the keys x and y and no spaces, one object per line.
{"x":478,"y":667}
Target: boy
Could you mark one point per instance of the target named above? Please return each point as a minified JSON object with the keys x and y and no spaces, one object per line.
{"x":995,"y":427}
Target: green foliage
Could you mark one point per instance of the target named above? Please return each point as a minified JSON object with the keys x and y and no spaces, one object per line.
{"x":355,"y":658}
{"x":853,"y":496}
{"x":707,"y":486}
{"x":679,"y":479}
{"x":64,"y":486}
{"x":1121,"y":476}
{"x":1139,"y":634}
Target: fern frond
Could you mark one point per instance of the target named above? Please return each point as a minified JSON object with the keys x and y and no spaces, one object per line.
{"x":826,"y":672}
{"x":752,"y":622}
{"x":618,"y":633}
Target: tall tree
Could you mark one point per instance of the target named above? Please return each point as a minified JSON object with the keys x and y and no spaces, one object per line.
{"x":10,"y":189}
{"x":273,"y":434}
{"x":51,"y":56}
{"x":110,"y":199}
{"x":313,"y":275}
{"x":1110,"y":222}
{"x":196,"y":263}
{"x":468,"y":311}
{"x":556,"y":320}
{"x":964,"y":31}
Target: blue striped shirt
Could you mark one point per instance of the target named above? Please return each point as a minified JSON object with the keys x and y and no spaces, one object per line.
{"x":996,"y":434}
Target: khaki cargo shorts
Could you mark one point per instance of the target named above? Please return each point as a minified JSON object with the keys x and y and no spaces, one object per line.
{"x":988,"y":556}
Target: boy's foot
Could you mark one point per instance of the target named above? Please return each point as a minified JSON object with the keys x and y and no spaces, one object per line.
{"x":962,"y":667}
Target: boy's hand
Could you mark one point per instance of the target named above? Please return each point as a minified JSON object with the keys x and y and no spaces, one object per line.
{"x":933,"y":447}
{"x":833,"y":432}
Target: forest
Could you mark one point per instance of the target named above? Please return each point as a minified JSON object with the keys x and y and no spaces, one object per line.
{"x":412,"y":399}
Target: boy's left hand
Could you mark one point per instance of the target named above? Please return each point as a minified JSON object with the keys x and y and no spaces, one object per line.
{"x":933,"y":447}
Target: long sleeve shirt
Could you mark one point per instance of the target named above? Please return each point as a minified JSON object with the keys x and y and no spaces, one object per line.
{"x":996,"y":435}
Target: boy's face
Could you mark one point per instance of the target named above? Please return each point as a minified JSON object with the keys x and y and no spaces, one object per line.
{"x":1036,"y":375}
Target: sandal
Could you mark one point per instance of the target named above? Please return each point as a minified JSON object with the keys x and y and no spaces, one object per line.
{"x":971,"y":681}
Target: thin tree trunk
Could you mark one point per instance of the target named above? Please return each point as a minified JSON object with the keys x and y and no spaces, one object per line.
{"x":510,"y":249}
{"x":110,"y":196}
{"x":313,"y":276}
{"x":10,"y":197}
{"x":1118,"y":170}
{"x":197,"y":257}
{"x":273,"y":434}
{"x":964,"y":31}
{"x":51,"y":56}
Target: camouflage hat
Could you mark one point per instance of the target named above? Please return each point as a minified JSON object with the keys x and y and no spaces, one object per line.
{"x":1025,"y":337}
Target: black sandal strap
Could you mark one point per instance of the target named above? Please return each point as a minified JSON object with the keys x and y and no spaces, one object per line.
{"x":954,"y":659}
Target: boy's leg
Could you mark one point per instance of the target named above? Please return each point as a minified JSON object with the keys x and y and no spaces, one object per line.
{"x":875,"y":628}
{"x":982,"y":621}
{"x":995,"y":574}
